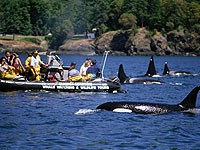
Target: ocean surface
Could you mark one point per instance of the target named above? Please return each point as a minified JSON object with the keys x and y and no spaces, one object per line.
{"x":33,"y":120}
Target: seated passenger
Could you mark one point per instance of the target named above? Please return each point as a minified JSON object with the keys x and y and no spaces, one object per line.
{"x":6,"y":71}
{"x":84,"y":68}
{"x":74,"y":74}
{"x":16,"y":62}
{"x":7,"y":57}
{"x":94,"y":69}
{"x":58,"y":76}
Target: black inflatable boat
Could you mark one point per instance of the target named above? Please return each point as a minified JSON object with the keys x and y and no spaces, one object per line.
{"x":98,"y":85}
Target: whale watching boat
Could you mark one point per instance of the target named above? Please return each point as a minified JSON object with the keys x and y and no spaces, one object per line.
{"x":95,"y":85}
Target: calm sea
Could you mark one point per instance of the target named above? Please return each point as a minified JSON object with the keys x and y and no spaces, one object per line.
{"x":60,"y":121}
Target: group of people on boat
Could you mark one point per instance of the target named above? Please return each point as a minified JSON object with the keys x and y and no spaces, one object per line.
{"x":88,"y":71}
{"x":11,"y":67}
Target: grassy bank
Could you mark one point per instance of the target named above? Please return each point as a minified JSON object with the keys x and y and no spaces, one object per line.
{"x":39,"y":40}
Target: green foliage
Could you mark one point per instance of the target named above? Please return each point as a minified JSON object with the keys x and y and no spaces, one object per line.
{"x":76,"y":11}
{"x":40,"y":17}
{"x":127,"y":21}
{"x":33,"y":40}
{"x":170,"y":26}
{"x":114,"y":14}
{"x":16,"y":18}
{"x":196,"y":28}
{"x":60,"y":33}
{"x":171,"y":44}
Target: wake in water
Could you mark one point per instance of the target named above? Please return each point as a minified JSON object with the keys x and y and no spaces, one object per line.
{"x":86,"y":111}
{"x":193,"y":111}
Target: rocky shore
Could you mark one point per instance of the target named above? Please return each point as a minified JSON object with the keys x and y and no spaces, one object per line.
{"x":142,"y":43}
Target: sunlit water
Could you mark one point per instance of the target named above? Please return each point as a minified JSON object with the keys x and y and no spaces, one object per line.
{"x":58,"y":120}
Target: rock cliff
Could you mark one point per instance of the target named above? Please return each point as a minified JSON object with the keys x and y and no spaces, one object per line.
{"x":142,"y":42}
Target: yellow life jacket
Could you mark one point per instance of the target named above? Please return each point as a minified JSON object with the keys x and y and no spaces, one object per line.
{"x":27,"y":63}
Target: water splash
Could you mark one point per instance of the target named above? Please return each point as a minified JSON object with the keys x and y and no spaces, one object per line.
{"x":194,"y":111}
{"x":176,"y":83}
{"x":86,"y":111}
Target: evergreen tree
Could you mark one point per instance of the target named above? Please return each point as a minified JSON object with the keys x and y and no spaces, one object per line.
{"x":114,"y":14}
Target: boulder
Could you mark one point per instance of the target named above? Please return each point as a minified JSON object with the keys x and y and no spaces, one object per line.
{"x":79,"y":47}
{"x":19,"y":46}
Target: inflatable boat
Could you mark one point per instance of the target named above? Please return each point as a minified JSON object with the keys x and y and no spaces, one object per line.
{"x":102,"y":84}
{"x":97,"y":85}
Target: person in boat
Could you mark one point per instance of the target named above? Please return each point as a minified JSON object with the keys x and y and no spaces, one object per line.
{"x":27,"y":65}
{"x":7,"y":57}
{"x":94,"y":69}
{"x":74,"y":74}
{"x":84,"y":68}
{"x":58,"y":76}
{"x":6,"y":71}
{"x":27,"y":61}
{"x":90,"y":61}
{"x":35,"y":63}
{"x":16,"y":62}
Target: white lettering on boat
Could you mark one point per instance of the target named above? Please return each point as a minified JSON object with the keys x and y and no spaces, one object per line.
{"x":65,"y":87}
{"x":48,"y":86}
{"x":104,"y":87}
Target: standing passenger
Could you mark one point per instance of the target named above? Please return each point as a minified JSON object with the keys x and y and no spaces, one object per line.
{"x":35,"y":66}
{"x":27,"y":62}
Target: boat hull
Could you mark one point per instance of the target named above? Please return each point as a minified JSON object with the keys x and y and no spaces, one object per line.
{"x":10,"y":85}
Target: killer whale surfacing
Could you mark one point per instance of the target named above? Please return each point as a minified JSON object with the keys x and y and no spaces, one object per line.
{"x":168,"y":72}
{"x":151,"y":69}
{"x":152,"y":108}
{"x":125,"y":79}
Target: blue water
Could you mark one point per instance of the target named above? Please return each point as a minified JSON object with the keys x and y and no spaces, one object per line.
{"x":58,"y":120}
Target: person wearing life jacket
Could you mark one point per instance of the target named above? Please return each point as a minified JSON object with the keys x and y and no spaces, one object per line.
{"x":27,"y":62}
{"x":74,"y":74}
{"x":35,"y":63}
{"x":16,"y":62}
{"x":6,"y":71}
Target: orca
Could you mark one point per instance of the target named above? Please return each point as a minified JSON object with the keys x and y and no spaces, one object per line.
{"x":124,"y":79}
{"x":152,"y":108}
{"x":168,"y":72}
{"x":151,"y":69}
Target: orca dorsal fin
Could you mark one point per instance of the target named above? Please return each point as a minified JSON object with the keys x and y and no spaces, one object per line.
{"x":166,"y":69}
{"x":190,"y":100}
{"x":151,"y":69}
{"x":121,"y":74}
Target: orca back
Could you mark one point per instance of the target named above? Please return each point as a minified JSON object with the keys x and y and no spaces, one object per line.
{"x":121,"y":74}
{"x":151,"y":69}
{"x":190,"y":100}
